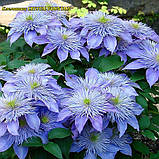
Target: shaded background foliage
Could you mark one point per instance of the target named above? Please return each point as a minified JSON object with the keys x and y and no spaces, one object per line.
{"x":145,"y":144}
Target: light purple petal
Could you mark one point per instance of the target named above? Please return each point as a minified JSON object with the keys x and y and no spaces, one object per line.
{"x":5,"y":144}
{"x":90,"y":156}
{"x":14,"y":37}
{"x":133,"y":122}
{"x":137,"y":109}
{"x":52,"y":105}
{"x":41,"y":40}
{"x":155,"y":37}
{"x":85,"y":53}
{"x":75,"y":55}
{"x":20,"y":151}
{"x":126,"y":149}
{"x":110,"y":43}
{"x":122,"y":126}
{"x":134,"y":52}
{"x":33,"y":121}
{"x":80,"y":122}
{"x":126,"y":36}
{"x":13,"y":127}
{"x":104,"y":52}
{"x":97,"y":123}
{"x":94,"y":41}
{"x":63,"y":114}
{"x":42,"y":30}
{"x":134,"y":65}
{"x":107,"y":155}
{"x":76,"y":148}
{"x":3,"y":129}
{"x":84,"y":32}
{"x":62,"y":54}
{"x":123,"y":56}
{"x":48,"y":49}
{"x":151,"y":76}
{"x":29,"y":37}
{"x":92,"y":74}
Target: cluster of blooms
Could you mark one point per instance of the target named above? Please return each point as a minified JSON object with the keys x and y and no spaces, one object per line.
{"x":33,"y":103}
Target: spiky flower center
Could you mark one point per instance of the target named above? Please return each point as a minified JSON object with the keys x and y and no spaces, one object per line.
{"x":34,"y":85}
{"x":94,"y":137}
{"x":135,"y":25}
{"x":115,"y":100}
{"x":32,"y":71}
{"x":86,"y":101}
{"x":103,"y":19}
{"x":157,"y":58}
{"x":29,"y":18}
{"x":12,"y":103}
{"x":64,"y":36}
{"x":44,"y":119}
{"x":22,"y":122}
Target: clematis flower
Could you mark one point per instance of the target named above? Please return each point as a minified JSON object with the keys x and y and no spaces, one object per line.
{"x":146,"y":54}
{"x":140,"y":30}
{"x":127,"y":109}
{"x":12,"y":107}
{"x":65,"y":41}
{"x":58,"y":17}
{"x":37,"y":88}
{"x":40,"y":69}
{"x":100,"y":28}
{"x":85,"y":103}
{"x":118,"y":81}
{"x":28,"y":23}
{"x":104,"y":144}
{"x":48,"y":119}
{"x":25,"y":132}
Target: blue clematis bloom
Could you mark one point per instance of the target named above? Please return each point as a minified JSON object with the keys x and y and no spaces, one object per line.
{"x":13,"y":107}
{"x":104,"y":144}
{"x":29,"y":23}
{"x":140,"y":31}
{"x":85,"y":101}
{"x":100,"y":28}
{"x":65,"y":41}
{"x":127,"y":109}
{"x":147,"y":56}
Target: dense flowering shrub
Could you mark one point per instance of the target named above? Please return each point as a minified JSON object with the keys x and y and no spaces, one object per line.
{"x":88,"y":89}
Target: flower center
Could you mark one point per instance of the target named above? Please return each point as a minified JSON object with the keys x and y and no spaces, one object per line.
{"x":22,"y":122}
{"x":34,"y":85}
{"x":157,"y":57}
{"x":32,"y":71}
{"x":94,"y":137}
{"x":44,"y":119}
{"x":12,"y":103}
{"x":135,"y":25}
{"x":29,"y":18}
{"x":64,"y":36}
{"x":87,"y":101}
{"x":115,"y":100}
{"x":103,"y":19}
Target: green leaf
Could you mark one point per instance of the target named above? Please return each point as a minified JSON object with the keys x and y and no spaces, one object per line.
{"x":59,"y":133}
{"x":149,"y":134}
{"x":142,"y":101}
{"x":144,"y":122}
{"x":16,"y":64}
{"x":155,"y":119}
{"x":54,"y":149}
{"x":137,"y":76}
{"x":33,"y":142}
{"x":65,"y":149}
{"x":148,"y":96}
{"x":141,"y":147}
{"x":51,"y":62}
{"x":104,"y":64}
{"x":3,"y":59}
{"x":70,"y":69}
{"x":39,"y":60}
